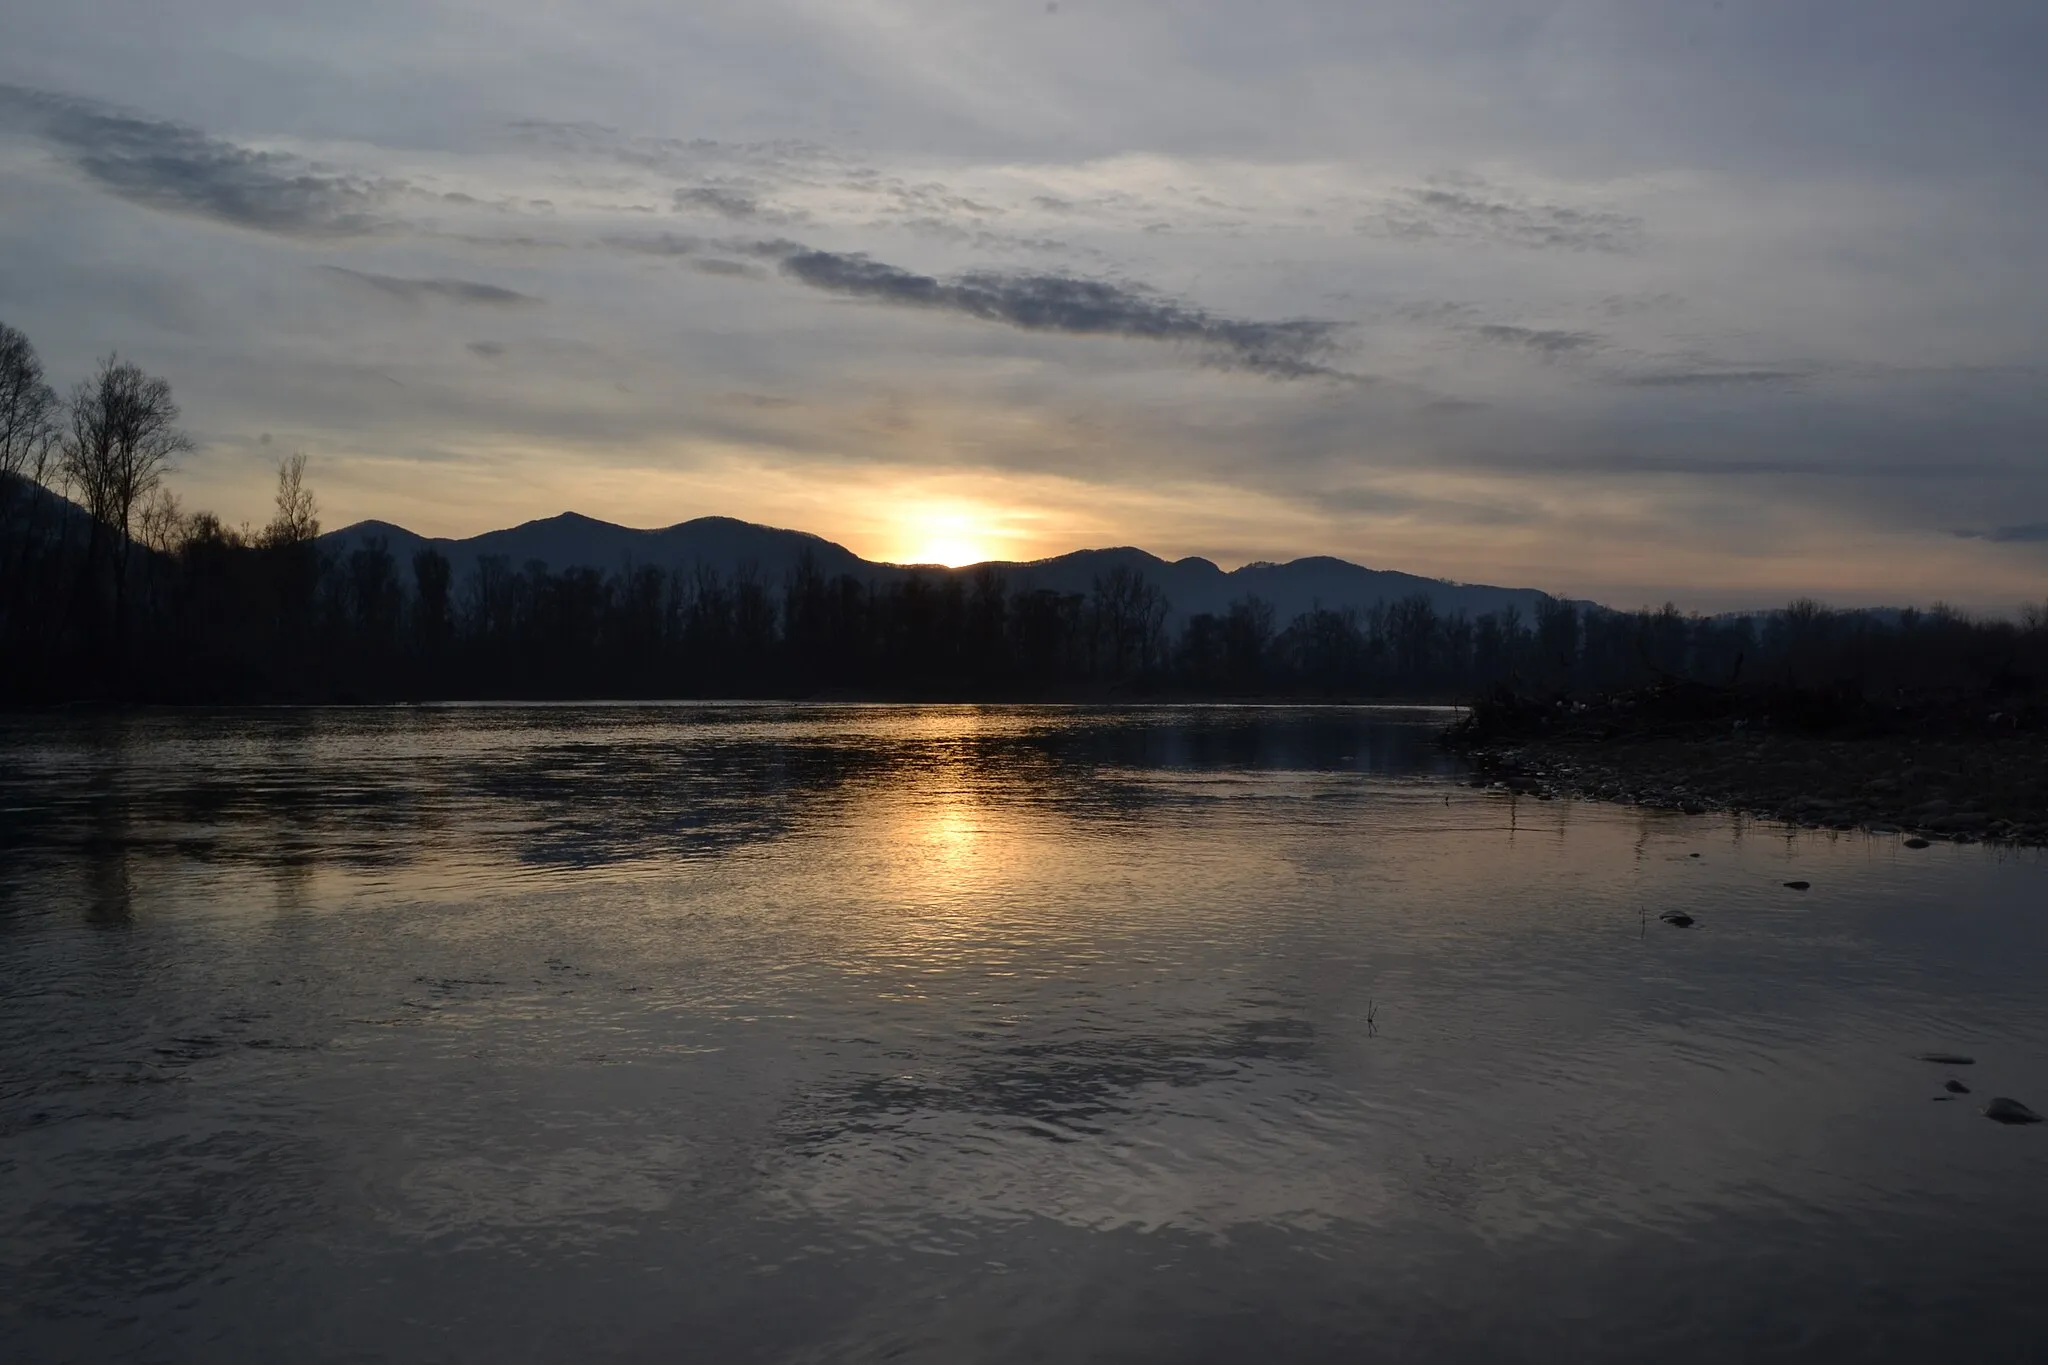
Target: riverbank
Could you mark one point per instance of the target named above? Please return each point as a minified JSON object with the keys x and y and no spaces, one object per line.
{"x":1980,"y":779}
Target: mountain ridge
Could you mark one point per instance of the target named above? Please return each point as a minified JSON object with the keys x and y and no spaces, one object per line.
{"x":1191,"y":584}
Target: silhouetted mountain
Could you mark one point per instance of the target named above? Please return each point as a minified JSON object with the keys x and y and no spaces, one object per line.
{"x":24,"y":503}
{"x":1194,"y":585}
{"x":1191,"y":585}
{"x":574,"y":541}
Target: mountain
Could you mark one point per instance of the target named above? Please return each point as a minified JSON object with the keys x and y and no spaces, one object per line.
{"x":1191,"y":585}
{"x":1195,"y":585}
{"x":25,"y":504}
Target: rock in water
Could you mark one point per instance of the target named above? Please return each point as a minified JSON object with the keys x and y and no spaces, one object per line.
{"x":1798,"y":886}
{"x":1956,"y":1088}
{"x":1947,"y":1058}
{"x":2003,"y":1110}
{"x":1916,"y":843}
{"x":1677,"y":919}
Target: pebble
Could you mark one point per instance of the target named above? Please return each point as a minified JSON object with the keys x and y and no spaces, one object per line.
{"x":2003,"y":1110}
{"x":1916,"y":843}
{"x":1798,"y":886}
{"x":1947,"y":1058}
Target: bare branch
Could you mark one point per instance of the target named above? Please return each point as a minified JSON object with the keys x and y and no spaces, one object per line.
{"x":296,"y":520}
{"x":28,"y":413}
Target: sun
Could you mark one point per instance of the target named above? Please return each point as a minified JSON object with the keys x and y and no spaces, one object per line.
{"x":951,"y":535}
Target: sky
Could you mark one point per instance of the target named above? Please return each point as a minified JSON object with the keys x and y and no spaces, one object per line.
{"x":1710,"y":302}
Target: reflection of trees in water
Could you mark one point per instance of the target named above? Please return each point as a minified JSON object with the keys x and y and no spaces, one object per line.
{"x":580,"y":787}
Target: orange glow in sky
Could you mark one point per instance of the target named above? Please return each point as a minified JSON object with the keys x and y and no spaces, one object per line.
{"x":949,"y":533}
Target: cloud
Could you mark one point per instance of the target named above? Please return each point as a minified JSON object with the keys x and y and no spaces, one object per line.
{"x":661,"y":244}
{"x":1708,"y":378}
{"x":719,"y":266}
{"x":730,"y":203}
{"x":1080,"y":307}
{"x":674,"y":244}
{"x":454,"y":291}
{"x":733,"y":204}
{"x":179,"y":169}
{"x":1476,"y":213}
{"x":1541,"y":340}
{"x":2028,"y":533}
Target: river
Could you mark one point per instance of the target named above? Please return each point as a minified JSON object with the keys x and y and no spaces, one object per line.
{"x":950,"y":1034}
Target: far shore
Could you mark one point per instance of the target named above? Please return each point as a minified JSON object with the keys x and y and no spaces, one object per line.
{"x":1980,"y":777}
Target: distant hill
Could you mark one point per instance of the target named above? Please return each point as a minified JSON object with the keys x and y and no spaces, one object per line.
{"x":1191,"y":585}
{"x":24,"y":503}
{"x":572,"y":541}
{"x":1195,"y":585}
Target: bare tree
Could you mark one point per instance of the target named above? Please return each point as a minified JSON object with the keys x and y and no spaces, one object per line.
{"x":123,"y":434}
{"x":28,"y":415}
{"x":160,"y":521}
{"x":296,"y":520}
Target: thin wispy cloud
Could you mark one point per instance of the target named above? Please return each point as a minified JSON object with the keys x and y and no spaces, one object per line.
{"x":2027,"y":533}
{"x":1485,"y":215}
{"x":1541,"y":340}
{"x":1716,"y":378}
{"x":446,"y":290}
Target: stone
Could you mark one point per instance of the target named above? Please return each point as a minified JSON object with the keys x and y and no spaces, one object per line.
{"x":1677,"y":919}
{"x":1797,"y":886}
{"x":1947,"y":1058}
{"x":1916,"y":842}
{"x":1965,"y":822}
{"x":1955,"y":1087}
{"x":2003,"y":1110}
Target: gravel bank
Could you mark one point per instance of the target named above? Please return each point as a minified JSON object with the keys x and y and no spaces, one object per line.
{"x":1960,"y":788}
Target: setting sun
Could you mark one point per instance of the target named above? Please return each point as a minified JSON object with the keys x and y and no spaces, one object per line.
{"x":949,"y":534}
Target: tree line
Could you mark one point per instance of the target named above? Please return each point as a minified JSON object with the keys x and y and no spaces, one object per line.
{"x":110,"y":590}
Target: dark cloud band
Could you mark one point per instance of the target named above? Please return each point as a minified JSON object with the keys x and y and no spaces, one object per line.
{"x":172,"y":167}
{"x":1710,"y":378}
{"x":1080,"y":307}
{"x":452,"y":291}
{"x":2030,"y":533}
{"x":1543,"y":341}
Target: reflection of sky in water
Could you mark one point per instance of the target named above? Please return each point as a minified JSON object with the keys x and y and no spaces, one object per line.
{"x":800,"y":1028}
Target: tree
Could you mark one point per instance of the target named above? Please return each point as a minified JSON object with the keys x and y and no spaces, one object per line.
{"x":432,"y":618}
{"x":28,"y":415}
{"x":123,"y":434}
{"x":295,"y":521}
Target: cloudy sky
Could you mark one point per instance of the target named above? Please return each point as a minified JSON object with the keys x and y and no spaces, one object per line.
{"x":1631,"y":300}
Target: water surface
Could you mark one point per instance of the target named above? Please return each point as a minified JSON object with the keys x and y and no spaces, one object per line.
{"x":979,"y":1034}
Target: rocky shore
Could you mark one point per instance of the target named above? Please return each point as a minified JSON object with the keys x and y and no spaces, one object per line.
{"x":1984,"y":782}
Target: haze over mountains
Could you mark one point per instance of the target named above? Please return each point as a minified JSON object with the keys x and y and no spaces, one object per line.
{"x":1191,"y":585}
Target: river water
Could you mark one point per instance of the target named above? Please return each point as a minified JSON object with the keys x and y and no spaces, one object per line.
{"x":961,"y":1034}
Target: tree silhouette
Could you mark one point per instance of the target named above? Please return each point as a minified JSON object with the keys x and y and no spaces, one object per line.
{"x":122,"y":438}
